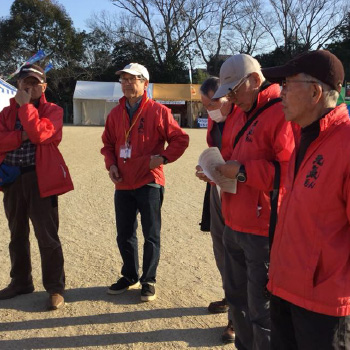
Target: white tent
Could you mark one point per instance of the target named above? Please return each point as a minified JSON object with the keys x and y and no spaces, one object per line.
{"x":6,"y":92}
{"x":92,"y":101}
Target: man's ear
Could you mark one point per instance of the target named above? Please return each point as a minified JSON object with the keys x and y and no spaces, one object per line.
{"x":256,"y":80}
{"x":44,"y":86}
{"x":316,"y":92}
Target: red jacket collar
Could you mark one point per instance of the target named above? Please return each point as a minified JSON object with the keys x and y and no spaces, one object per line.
{"x":336,"y":116}
{"x":264,"y":96}
{"x":122,"y":101}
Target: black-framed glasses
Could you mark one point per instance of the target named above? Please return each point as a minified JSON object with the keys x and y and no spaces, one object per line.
{"x":233,"y":92}
{"x":285,"y":83}
{"x":32,"y":84}
{"x":129,"y":80}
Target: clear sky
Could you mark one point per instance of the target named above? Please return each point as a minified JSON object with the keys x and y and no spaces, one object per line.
{"x":78,"y":10}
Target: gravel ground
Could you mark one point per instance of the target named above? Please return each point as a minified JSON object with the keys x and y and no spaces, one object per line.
{"x":187,"y":276}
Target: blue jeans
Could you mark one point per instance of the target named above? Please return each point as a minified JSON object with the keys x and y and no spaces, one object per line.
{"x":146,"y":200}
{"x":246,"y":267}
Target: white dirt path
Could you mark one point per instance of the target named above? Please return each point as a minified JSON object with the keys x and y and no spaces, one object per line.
{"x":187,"y":276}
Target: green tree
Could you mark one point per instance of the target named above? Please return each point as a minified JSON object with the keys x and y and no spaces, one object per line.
{"x":42,"y":25}
{"x":34,"y":25}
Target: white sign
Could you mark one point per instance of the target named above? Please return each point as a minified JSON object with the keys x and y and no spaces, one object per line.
{"x":203,"y":122}
{"x":171,"y":102}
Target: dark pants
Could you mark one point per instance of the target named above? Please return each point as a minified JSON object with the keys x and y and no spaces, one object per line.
{"x":22,"y":202}
{"x":295,"y":328}
{"x":146,"y":200}
{"x":246,"y":265}
{"x":217,"y":226}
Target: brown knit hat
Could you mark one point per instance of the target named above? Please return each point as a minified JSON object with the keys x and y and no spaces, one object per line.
{"x":320,"y":64}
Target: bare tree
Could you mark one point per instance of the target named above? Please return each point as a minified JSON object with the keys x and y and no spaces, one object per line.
{"x":166,"y":25}
{"x":231,"y":27}
{"x":304,"y":24}
{"x":250,"y":34}
{"x":211,"y":31}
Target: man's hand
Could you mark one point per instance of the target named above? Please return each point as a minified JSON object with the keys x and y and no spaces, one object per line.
{"x":114,"y":174}
{"x":156,"y":161}
{"x":200,"y":174}
{"x":23,"y":96}
{"x":230,"y":169}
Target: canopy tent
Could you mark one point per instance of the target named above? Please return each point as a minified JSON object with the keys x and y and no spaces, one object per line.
{"x":6,"y":92}
{"x":92,"y":101}
{"x":176,"y":92}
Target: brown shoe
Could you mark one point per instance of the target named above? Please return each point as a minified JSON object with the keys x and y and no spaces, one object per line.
{"x":12,"y":291}
{"x":56,"y":301}
{"x":218,"y":307}
{"x":228,"y":336}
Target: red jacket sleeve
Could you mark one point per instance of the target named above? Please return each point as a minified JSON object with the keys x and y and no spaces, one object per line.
{"x":176,"y":138}
{"x":43,"y":125}
{"x":109,"y":139}
{"x":9,"y":140}
{"x":262,"y":170}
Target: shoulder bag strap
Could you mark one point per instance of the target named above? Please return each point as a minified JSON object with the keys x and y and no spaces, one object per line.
{"x":274,"y":194}
{"x":250,"y":120}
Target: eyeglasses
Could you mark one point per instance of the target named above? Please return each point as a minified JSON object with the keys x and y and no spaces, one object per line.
{"x":32,"y":84}
{"x":129,"y":80}
{"x":234,"y":92}
{"x":285,"y":83}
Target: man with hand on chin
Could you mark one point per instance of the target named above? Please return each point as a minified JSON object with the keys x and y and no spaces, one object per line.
{"x":134,"y":149}
{"x":30,"y":132}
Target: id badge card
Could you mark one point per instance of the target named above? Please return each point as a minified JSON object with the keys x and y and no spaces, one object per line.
{"x":125,"y":152}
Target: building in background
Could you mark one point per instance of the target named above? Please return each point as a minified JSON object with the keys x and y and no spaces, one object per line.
{"x":7,"y":91}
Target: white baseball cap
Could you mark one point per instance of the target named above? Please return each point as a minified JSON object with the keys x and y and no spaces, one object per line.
{"x":233,"y":70}
{"x":134,"y":69}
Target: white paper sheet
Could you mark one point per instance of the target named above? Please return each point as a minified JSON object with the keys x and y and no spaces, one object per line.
{"x":208,"y":161}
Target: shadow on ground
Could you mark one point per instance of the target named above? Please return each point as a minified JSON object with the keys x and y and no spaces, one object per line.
{"x":194,"y":337}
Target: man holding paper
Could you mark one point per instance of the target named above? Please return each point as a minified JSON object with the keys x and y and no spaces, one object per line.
{"x":220,"y":116}
{"x":262,"y":144}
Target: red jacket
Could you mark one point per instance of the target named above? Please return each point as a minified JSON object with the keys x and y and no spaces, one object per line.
{"x":310,"y":258}
{"x":154,"y":126}
{"x":44,"y":129}
{"x":226,"y":139}
{"x":269,"y":138}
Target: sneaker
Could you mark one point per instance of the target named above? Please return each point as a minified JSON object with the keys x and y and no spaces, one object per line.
{"x":148,"y":292}
{"x":56,"y":301}
{"x":228,"y":336}
{"x":218,"y":307}
{"x":12,"y":291}
{"x":121,"y":286}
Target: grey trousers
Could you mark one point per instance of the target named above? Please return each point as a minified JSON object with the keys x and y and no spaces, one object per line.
{"x":246,"y":267}
{"x":22,"y":202}
{"x":217,"y":226}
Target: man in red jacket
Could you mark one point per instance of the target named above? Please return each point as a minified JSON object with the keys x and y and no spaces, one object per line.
{"x":30,"y":131}
{"x":262,"y":143}
{"x":134,"y":149}
{"x":309,"y":275}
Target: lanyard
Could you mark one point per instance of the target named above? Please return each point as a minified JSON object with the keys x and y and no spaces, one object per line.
{"x":127,"y":133}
